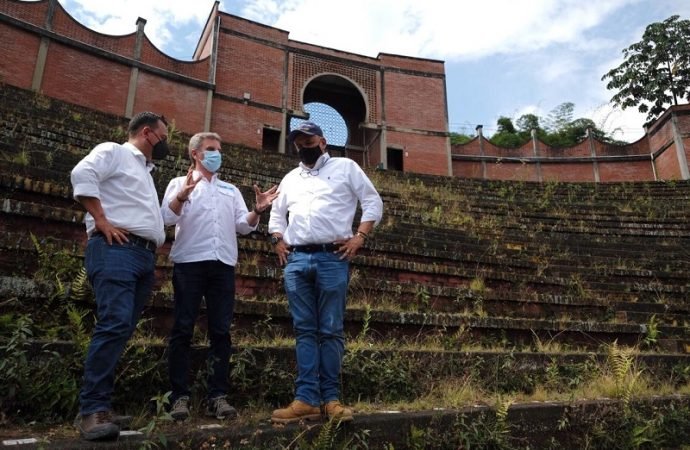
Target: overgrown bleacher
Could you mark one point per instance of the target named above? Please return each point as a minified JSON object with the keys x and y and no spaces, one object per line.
{"x":470,"y":292}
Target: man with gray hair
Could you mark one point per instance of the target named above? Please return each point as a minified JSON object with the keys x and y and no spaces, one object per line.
{"x":207,"y":214}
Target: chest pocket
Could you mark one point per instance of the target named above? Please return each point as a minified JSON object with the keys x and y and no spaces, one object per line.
{"x":226,"y":198}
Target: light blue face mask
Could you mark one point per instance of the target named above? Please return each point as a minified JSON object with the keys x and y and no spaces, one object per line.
{"x":212,"y":160}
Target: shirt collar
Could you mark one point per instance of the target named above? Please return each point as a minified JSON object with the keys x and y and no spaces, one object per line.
{"x":197,"y":173}
{"x":150,"y":166}
{"x":323,"y":159}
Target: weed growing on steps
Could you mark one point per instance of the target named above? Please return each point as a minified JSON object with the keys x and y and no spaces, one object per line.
{"x":153,"y":435}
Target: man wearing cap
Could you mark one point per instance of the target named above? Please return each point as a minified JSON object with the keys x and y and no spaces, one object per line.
{"x":311,"y":231}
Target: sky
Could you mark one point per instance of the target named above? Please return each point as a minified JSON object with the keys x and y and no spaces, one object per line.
{"x":502,"y":57}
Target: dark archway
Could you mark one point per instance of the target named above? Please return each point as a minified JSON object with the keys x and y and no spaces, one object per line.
{"x":347,"y":100}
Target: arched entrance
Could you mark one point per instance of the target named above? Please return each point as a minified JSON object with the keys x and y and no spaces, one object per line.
{"x":337,"y":105}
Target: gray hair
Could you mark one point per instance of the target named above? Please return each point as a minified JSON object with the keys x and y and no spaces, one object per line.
{"x":197,"y":139}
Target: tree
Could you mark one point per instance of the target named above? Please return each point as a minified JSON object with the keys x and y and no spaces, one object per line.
{"x":560,"y":117}
{"x":505,"y":125}
{"x":656,"y":70}
{"x":528,"y":122}
{"x":562,"y":130}
{"x":506,"y":136}
{"x":459,"y":138}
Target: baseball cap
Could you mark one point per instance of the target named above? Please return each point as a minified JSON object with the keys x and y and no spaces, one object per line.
{"x":309,"y":128}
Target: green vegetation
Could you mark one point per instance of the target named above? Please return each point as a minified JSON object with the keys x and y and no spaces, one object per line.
{"x":559,"y":129}
{"x":656,"y":70}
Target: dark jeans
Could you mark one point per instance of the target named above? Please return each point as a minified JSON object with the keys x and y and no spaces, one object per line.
{"x":215,"y":282}
{"x":122,"y":278}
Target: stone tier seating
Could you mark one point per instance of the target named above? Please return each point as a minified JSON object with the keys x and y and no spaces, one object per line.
{"x":505,"y":267}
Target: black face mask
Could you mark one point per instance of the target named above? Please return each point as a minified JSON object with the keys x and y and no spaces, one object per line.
{"x":309,"y":155}
{"x":160,"y":150}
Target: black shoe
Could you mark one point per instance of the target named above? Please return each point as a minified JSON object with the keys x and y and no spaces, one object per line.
{"x":220,"y":408}
{"x":98,"y":426}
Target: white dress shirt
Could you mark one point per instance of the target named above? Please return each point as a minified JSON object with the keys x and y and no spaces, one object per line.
{"x":317,"y":206}
{"x":207,"y":227}
{"x":119,"y":176}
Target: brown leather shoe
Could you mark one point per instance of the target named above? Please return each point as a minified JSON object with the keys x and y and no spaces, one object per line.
{"x":335,"y":411}
{"x":97,"y":426}
{"x":121,"y":420}
{"x":296,"y":411}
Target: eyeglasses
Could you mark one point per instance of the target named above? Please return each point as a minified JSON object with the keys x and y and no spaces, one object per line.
{"x":305,"y":173}
{"x":165,"y":138}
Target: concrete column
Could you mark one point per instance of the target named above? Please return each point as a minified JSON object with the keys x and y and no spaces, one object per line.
{"x":208,"y":113}
{"x":480,"y":134}
{"x":286,"y":125}
{"x":134,"y":72}
{"x":39,"y":67}
{"x":651,"y":154}
{"x":384,"y":148}
{"x":449,"y":156}
{"x":680,"y":148}
{"x":593,"y":153}
{"x":535,"y":152}
{"x":384,"y":136}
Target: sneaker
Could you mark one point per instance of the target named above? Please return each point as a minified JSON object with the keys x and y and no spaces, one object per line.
{"x":220,"y":408}
{"x":180,"y":408}
{"x":296,"y":411}
{"x":98,"y":426}
{"x":335,"y":411}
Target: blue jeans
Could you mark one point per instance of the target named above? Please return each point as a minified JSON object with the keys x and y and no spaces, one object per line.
{"x":316,"y":287}
{"x":122,"y":278}
{"x":215,"y":282}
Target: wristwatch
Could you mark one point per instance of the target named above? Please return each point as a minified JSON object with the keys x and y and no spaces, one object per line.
{"x":276,"y":239}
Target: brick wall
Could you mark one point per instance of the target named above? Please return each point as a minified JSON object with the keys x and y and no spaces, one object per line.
{"x":85,"y":79}
{"x":183,"y":104}
{"x":630,"y":170}
{"x":246,"y":65}
{"x":65,"y":25}
{"x":419,"y":152}
{"x":31,"y":12}
{"x":667,"y":167}
{"x":511,"y":171}
{"x":242,"y":124}
{"x":415,"y":102}
{"x":19,"y":51}
{"x":93,"y":70}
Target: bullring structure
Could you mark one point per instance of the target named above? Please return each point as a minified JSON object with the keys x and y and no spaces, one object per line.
{"x":249,"y":81}
{"x":245,"y":81}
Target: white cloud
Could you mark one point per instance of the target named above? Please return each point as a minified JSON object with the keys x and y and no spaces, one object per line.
{"x":625,"y":125}
{"x":434,"y":28}
{"x":163,"y":19}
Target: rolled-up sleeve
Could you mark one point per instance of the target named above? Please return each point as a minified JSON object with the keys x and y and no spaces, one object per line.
{"x":277,"y":221}
{"x":169,"y":216}
{"x":369,"y":198}
{"x":88,"y":174}
{"x":241,"y":224}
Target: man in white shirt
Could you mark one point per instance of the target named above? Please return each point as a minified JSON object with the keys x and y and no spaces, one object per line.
{"x":124,"y":226}
{"x":207,"y":214}
{"x":311,"y":230}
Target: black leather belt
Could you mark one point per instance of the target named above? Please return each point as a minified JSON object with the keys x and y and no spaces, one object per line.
{"x":314,"y":248}
{"x":134,"y":240}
